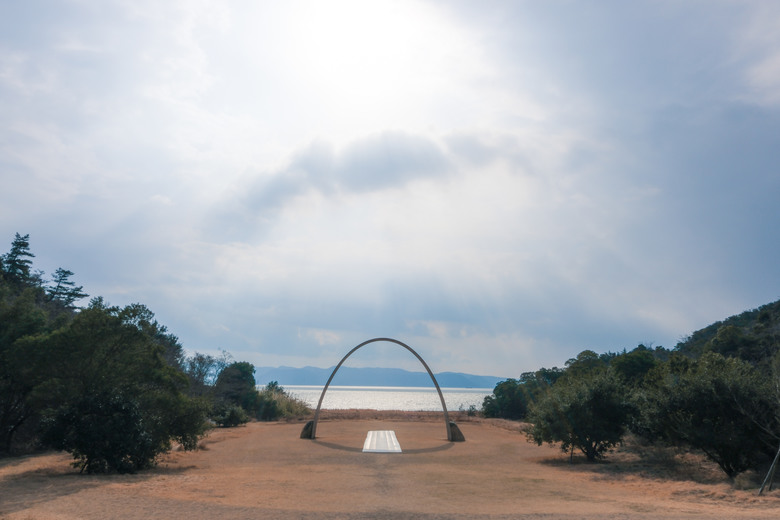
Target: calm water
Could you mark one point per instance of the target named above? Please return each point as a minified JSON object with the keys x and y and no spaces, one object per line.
{"x":390,"y":397}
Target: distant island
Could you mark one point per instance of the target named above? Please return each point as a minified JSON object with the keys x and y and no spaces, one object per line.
{"x":351,"y":376}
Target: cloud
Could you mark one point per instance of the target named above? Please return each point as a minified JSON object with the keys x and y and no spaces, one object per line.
{"x":389,"y":160}
{"x":322,"y":336}
{"x":758,"y":51}
{"x":500,"y":186}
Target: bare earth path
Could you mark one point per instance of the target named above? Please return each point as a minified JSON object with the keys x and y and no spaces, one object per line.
{"x":264,"y":470}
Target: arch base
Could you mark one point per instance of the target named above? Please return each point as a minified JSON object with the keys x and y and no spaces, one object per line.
{"x":456,"y":434}
{"x":307,"y":431}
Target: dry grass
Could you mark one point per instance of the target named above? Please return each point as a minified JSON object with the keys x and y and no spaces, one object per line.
{"x":263,"y":470}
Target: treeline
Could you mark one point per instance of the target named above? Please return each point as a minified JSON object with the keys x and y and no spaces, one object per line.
{"x":110,"y":385}
{"x":718,"y":391}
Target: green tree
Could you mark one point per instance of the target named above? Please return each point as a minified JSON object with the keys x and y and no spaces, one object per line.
{"x":227,"y":415}
{"x":17,"y":263}
{"x":718,"y":405}
{"x":236,"y":385}
{"x":512,"y":398}
{"x":109,"y":381}
{"x":201,"y":369}
{"x":104,"y":432}
{"x":173,"y":351}
{"x":508,"y":401}
{"x":585,"y":362}
{"x":21,"y":369}
{"x":269,"y":400}
{"x":143,"y":318}
{"x":632,"y":366}
{"x":755,"y":348}
{"x":63,"y":289}
{"x":589,"y":413}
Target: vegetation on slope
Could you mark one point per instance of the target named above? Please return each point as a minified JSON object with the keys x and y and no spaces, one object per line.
{"x":718,"y":391}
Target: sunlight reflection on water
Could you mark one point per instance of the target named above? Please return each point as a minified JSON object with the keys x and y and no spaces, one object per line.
{"x":390,"y":397}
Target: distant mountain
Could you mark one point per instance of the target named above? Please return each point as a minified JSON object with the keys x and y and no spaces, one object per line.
{"x":351,"y":376}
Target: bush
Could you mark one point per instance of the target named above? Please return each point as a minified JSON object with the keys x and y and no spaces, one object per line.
{"x":103,"y":432}
{"x":508,"y":400}
{"x":589,"y":412}
{"x":229,"y":415}
{"x":109,"y":397}
{"x":274,"y":402}
{"x":718,"y":405}
{"x":512,"y":398}
{"x":236,"y":385}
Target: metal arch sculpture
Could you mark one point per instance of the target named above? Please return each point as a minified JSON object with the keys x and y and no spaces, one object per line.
{"x":310,"y":430}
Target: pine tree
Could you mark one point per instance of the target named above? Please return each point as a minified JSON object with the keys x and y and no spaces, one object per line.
{"x":17,"y":263}
{"x":64,"y":290}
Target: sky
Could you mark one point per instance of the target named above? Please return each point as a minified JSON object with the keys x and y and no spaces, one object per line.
{"x":499,"y":185}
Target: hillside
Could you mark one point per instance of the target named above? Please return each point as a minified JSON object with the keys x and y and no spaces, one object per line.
{"x":753,"y":335}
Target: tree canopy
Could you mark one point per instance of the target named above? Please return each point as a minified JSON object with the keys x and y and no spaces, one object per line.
{"x":16,"y":263}
{"x":589,"y":413}
{"x":718,"y":405}
{"x":717,"y":391}
{"x":108,"y":384}
{"x":63,"y":289}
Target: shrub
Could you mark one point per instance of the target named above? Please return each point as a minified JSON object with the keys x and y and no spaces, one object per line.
{"x":718,"y":405}
{"x":229,"y":415}
{"x":512,"y":398}
{"x":110,"y":398}
{"x":508,"y":400}
{"x":274,"y":402}
{"x":236,"y":385}
{"x":103,"y":432}
{"x":589,"y":412}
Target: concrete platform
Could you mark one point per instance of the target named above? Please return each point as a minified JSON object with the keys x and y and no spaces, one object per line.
{"x":381,"y":441}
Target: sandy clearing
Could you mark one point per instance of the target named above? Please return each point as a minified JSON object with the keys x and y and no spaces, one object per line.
{"x":264,"y":470}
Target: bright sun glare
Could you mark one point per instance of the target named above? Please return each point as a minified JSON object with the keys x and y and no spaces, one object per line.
{"x":377,"y":62}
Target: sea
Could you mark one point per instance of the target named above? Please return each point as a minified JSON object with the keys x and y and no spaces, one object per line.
{"x":410,"y":399}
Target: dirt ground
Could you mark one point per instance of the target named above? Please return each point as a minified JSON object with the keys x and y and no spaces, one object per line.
{"x":264,"y":470}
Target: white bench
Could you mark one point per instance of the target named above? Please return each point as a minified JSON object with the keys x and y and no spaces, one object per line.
{"x":381,"y":441}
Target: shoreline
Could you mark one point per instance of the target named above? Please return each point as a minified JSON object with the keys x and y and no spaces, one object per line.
{"x":363,"y":414}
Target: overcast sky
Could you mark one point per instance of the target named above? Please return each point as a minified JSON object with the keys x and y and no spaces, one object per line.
{"x":500,"y":185}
